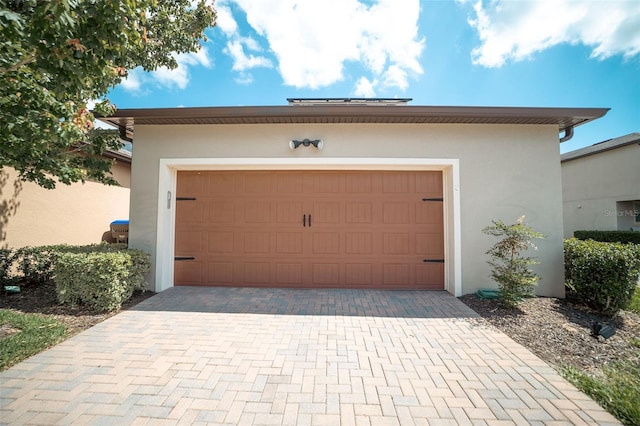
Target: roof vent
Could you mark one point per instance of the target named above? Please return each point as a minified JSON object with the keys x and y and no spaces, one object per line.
{"x":347,"y":101}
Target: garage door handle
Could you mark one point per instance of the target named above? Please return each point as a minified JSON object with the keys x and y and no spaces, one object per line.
{"x":304,"y":220}
{"x":309,"y":221}
{"x":433,"y":260}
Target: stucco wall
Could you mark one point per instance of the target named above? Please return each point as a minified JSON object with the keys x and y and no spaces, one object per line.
{"x":70,"y":214}
{"x":592,"y":186}
{"x":505,"y":171}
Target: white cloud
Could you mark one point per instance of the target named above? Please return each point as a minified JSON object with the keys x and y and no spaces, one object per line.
{"x":312,"y":40}
{"x":365,"y":88}
{"x":515,"y":30}
{"x":242,"y":61}
{"x":178,"y":77}
{"x":133,"y":81}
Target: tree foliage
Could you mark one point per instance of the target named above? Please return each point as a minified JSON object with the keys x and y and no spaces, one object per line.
{"x":56,"y":55}
{"x":511,"y":270}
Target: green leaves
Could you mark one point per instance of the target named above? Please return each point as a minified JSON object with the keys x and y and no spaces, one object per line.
{"x":509,"y":268}
{"x":601,"y":275}
{"x":55,"y":56}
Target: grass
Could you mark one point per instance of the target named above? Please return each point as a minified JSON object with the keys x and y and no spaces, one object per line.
{"x":634,"y":306}
{"x":36,"y":333}
{"x":617,"y":390}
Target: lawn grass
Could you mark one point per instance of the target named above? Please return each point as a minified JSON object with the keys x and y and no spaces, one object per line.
{"x":36,"y":333}
{"x":617,"y":391}
{"x":634,"y":306}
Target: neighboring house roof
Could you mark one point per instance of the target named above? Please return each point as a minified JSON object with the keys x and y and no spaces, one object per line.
{"x":603,"y":146}
{"x":352,"y":112}
{"x":122,"y":155}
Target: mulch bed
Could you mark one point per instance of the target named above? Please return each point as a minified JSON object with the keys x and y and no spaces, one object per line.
{"x":41,"y":298}
{"x":560,"y":332}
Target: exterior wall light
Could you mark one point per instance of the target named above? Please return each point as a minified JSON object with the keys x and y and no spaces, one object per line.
{"x":293,"y":144}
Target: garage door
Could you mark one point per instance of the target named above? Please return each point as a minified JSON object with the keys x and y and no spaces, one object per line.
{"x":347,"y":229}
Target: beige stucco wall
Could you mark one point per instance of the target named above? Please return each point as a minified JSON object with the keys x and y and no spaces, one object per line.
{"x":70,"y":214}
{"x":592,"y":186}
{"x":505,"y":171}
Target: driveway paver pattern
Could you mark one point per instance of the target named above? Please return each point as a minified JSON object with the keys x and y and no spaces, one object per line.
{"x":292,"y":357}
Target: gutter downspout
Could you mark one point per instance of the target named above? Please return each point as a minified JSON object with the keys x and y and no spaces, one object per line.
{"x":568,"y":134}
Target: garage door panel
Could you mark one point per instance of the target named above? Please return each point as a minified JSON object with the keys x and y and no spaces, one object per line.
{"x":395,"y":183}
{"x":396,"y":243}
{"x":430,"y":245}
{"x":429,"y":275}
{"x":257,"y":243}
{"x":358,"y":213}
{"x":289,"y":212}
{"x":257,"y":212}
{"x":358,"y":274}
{"x":368,"y":229}
{"x":190,"y":242}
{"x":190,"y":213}
{"x":220,"y":273}
{"x":289,"y":274}
{"x":358,"y":243}
{"x":326,"y":184}
{"x":429,"y":213}
{"x":221,"y":212}
{"x":395,"y":213}
{"x":189,"y":272}
{"x":289,"y":243}
{"x":326,"y":243}
{"x":220,"y":242}
{"x":221,"y":183}
{"x":326,"y":274}
{"x":256,"y":273}
{"x":395,"y":275}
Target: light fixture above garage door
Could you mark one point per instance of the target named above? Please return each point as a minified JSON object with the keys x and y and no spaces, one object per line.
{"x":293,"y":144}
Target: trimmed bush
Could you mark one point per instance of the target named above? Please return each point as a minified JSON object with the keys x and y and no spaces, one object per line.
{"x":6,"y":261}
{"x":99,"y":280}
{"x":510,"y":269}
{"x":603,"y":276}
{"x":609,"y":236}
{"x":35,"y":264}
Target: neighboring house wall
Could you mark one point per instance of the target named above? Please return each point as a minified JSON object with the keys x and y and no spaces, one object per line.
{"x":504,"y":171}
{"x":70,"y":214}
{"x":601,"y":191}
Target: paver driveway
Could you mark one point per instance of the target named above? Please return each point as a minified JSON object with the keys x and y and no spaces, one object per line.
{"x":259,"y":356}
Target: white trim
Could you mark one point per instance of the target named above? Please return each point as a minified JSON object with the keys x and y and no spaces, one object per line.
{"x":168,"y":177}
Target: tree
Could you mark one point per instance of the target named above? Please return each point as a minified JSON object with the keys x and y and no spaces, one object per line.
{"x":511,"y":270}
{"x":56,"y":55}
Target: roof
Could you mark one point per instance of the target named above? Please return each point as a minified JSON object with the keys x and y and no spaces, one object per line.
{"x":352,"y":112}
{"x":603,"y":146}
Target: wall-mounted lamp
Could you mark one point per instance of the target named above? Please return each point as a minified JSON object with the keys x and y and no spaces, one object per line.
{"x":293,"y":144}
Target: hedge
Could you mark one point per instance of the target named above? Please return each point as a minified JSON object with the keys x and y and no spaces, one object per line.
{"x":601,"y":275}
{"x":100,"y":276}
{"x":609,"y":236}
{"x":101,"y":281}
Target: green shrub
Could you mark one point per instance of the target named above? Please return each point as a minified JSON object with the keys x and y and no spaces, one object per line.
{"x":35,"y":264}
{"x":510,"y":269}
{"x":609,"y":236}
{"x":6,"y":262}
{"x":99,"y":280}
{"x":603,"y":276}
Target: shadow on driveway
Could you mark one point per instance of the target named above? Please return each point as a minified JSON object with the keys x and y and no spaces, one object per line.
{"x":330,"y":302}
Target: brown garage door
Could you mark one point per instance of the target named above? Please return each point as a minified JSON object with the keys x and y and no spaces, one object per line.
{"x":349,"y":229}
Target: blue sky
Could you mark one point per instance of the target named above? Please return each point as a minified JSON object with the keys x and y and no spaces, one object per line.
{"x":542,"y":53}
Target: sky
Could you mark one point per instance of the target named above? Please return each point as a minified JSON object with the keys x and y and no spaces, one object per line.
{"x":541,"y":53}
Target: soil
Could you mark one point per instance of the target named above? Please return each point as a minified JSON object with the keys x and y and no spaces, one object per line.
{"x":556,"y":330}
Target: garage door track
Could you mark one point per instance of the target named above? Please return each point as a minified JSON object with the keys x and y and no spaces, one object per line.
{"x":270,"y":357}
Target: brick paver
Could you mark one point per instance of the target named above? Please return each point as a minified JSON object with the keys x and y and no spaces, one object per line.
{"x":294,"y":357}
